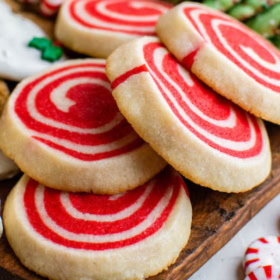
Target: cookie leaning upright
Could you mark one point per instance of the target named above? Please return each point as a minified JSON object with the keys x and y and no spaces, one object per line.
{"x":85,"y":236}
{"x":97,"y":27}
{"x":63,"y":128}
{"x":207,"y":138}
{"x":225,"y":54}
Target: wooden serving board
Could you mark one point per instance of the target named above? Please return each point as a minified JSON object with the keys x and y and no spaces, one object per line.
{"x":217,"y":217}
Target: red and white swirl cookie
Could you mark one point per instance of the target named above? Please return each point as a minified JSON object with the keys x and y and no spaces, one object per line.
{"x":63,"y":128}
{"x":69,"y":236}
{"x":97,"y":27}
{"x":225,"y":54}
{"x":50,"y":7}
{"x":264,"y":273}
{"x":264,"y":251}
{"x":207,"y":138}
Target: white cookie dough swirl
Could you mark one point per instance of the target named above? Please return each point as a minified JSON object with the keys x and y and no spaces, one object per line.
{"x":71,"y":109}
{"x":66,"y":122}
{"x":86,"y":236}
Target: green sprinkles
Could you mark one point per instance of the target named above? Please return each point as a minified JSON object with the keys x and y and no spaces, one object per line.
{"x":50,"y":52}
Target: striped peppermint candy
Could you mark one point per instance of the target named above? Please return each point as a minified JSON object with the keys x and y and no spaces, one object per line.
{"x":71,"y":109}
{"x":209,"y":117}
{"x":131,"y":235}
{"x":267,"y":272}
{"x":134,"y":17}
{"x":50,"y":7}
{"x":263,"y":252}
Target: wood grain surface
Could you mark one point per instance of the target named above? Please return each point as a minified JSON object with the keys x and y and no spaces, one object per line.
{"x":217,"y":217}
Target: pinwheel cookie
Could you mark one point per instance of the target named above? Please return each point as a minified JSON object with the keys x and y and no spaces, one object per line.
{"x":97,"y":27}
{"x":204,"y":136}
{"x":69,"y":236}
{"x":229,"y":57}
{"x":63,"y":128}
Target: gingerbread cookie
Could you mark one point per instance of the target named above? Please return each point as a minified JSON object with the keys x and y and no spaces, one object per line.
{"x":17,"y":60}
{"x":84,"y":236}
{"x":207,"y":138}
{"x":264,"y":251}
{"x":225,"y":54}
{"x":97,"y":27}
{"x":67,"y":124}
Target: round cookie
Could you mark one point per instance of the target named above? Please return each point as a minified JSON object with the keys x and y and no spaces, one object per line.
{"x":97,"y":27}
{"x":229,"y":57}
{"x":264,"y":273}
{"x":63,"y":128}
{"x":264,"y":251}
{"x":84,"y":236}
{"x":17,"y":60}
{"x":50,"y":7}
{"x":207,"y":138}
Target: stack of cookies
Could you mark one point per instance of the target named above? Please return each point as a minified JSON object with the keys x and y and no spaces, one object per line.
{"x":94,"y":136}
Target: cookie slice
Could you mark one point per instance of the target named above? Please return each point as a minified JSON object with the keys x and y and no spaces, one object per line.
{"x":97,"y":27}
{"x":69,"y":236}
{"x":63,"y":128}
{"x":207,"y":138}
{"x":225,"y":54}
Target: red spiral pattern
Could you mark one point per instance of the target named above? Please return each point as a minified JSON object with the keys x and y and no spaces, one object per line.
{"x":50,"y":7}
{"x":211,"y":118}
{"x":246,"y":49}
{"x":264,"y":251}
{"x":71,"y":109}
{"x":92,"y":222}
{"x":136,"y":17}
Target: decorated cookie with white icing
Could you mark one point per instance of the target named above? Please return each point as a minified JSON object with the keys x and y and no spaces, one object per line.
{"x":17,"y":60}
{"x":264,"y":273}
{"x":207,"y":138}
{"x":85,"y":236}
{"x":64,"y":129}
{"x":97,"y":27}
{"x":228,"y":56}
{"x":263,"y":252}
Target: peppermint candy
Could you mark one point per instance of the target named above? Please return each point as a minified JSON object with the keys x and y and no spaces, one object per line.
{"x":263,"y":252}
{"x":264,"y":273}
